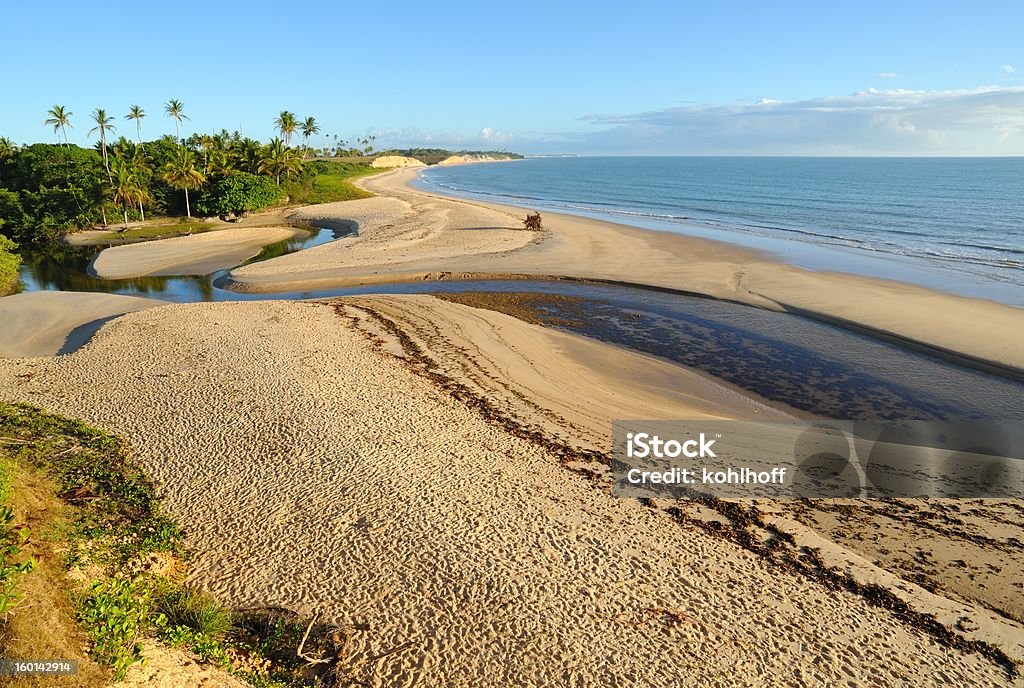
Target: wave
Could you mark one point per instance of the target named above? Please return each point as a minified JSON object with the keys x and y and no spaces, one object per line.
{"x":726,"y":214}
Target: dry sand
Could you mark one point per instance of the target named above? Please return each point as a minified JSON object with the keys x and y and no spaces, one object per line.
{"x":319,"y":474}
{"x":165,"y":667}
{"x":581,"y":247}
{"x":199,"y":254}
{"x":44,"y":323}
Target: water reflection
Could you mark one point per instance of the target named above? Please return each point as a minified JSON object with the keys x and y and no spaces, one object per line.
{"x":63,"y":267}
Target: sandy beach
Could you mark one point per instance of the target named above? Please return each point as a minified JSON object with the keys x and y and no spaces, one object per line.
{"x":429,"y":235}
{"x":199,"y":254}
{"x":462,"y":553}
{"x":45,"y":323}
{"x":419,"y":470}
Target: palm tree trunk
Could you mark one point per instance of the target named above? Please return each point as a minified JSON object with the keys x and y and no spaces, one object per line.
{"x":106,"y":163}
{"x":142,"y":212}
{"x":126,"y":216}
{"x":188,"y":210}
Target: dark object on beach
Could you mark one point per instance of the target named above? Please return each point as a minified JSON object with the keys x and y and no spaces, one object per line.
{"x":532,"y":222}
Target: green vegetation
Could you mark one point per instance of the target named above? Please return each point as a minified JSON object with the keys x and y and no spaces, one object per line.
{"x":114,"y":615}
{"x":326,"y":181}
{"x":48,"y":190}
{"x":97,"y":516}
{"x":194,"y":610}
{"x":238,"y":193}
{"x":9,"y":263}
{"x":12,"y":563}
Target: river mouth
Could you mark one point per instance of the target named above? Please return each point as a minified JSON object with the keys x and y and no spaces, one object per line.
{"x":783,"y":358}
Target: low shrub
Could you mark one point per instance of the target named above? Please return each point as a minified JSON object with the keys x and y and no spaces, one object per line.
{"x":115,"y":614}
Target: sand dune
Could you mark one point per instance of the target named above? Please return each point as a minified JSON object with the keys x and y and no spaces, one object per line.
{"x":581,"y":247}
{"x":318,"y":473}
{"x":396,"y":161}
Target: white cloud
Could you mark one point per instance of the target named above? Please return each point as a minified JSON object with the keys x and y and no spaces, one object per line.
{"x":412,"y":137}
{"x":988,"y":120}
{"x":887,"y":75}
{"x":1009,"y":69}
{"x":488,"y":134}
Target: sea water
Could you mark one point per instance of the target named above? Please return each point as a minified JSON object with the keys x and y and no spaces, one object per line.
{"x":955,"y":224}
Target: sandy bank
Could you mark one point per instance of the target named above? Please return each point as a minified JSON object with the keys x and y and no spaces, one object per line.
{"x":563,"y":384}
{"x":585,"y":248}
{"x":199,"y":254}
{"x":473,"y":158}
{"x":318,"y":473}
{"x":396,"y":161}
{"x":44,"y":323}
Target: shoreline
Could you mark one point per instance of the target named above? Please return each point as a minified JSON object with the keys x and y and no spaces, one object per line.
{"x":602,"y":251}
{"x":947,"y":276}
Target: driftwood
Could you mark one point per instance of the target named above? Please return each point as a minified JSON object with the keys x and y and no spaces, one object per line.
{"x":299,"y":652}
{"x":533,"y":222}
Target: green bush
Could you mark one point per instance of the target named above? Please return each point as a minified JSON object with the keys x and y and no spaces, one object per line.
{"x":237,"y":193}
{"x":9,"y":263}
{"x":115,"y":614}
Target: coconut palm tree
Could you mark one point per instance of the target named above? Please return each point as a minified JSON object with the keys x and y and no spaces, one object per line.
{"x":103,"y":126}
{"x":278,"y":159}
{"x":175,"y":110}
{"x":181,"y":173}
{"x":60,"y":119}
{"x":125,"y":189}
{"x":7,"y":148}
{"x":309,"y":127}
{"x":136,"y":113}
{"x":133,"y":156}
{"x":247,"y":155}
{"x":286,"y":124}
{"x":219,"y":162}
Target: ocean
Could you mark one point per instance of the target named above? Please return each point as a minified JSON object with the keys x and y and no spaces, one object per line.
{"x":955,"y":224}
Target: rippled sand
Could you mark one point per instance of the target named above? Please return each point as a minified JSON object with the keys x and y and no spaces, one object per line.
{"x":317,"y":471}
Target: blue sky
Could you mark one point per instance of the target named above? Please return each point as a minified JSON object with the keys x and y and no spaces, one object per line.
{"x":806,"y":78}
